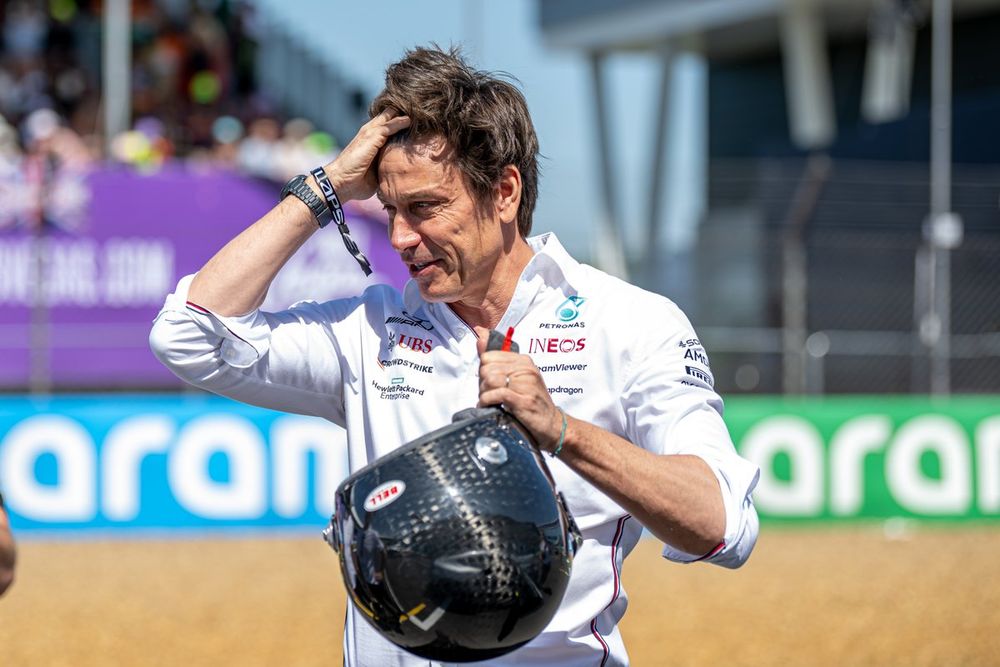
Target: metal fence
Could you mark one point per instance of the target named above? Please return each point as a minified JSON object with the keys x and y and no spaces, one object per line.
{"x":798,"y":284}
{"x":810,"y":279}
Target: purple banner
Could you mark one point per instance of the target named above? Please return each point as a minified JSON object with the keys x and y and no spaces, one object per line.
{"x":78,"y":298}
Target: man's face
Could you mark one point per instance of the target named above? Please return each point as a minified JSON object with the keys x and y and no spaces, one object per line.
{"x":449,"y":244}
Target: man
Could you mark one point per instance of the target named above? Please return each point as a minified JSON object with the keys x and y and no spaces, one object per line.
{"x":613,"y":382}
{"x":8,"y":552}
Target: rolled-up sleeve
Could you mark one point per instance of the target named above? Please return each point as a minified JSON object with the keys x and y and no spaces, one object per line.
{"x":672,"y":408}
{"x":289,"y":360}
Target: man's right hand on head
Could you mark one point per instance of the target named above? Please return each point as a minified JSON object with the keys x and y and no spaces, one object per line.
{"x":351,"y":172}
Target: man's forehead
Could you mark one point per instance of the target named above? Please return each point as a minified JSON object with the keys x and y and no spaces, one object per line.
{"x":425,"y":163}
{"x":433,"y":147}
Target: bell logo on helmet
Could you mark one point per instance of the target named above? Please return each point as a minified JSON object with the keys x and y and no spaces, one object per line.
{"x":384,"y":494}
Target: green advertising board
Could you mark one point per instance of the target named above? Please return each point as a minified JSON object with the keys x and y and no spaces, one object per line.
{"x":871,"y":456}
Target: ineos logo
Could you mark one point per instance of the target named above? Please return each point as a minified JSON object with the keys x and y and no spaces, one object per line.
{"x":556,"y":345}
{"x":384,"y":494}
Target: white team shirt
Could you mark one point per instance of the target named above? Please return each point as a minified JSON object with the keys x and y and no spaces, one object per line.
{"x":390,"y":367}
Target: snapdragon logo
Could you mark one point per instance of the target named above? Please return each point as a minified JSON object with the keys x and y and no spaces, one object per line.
{"x":154,"y":470}
{"x":873,"y":466}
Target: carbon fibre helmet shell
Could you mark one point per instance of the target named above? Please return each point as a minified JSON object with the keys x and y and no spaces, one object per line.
{"x":456,"y":547}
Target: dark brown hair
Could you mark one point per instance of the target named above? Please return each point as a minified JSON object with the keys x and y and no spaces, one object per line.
{"x":483,"y":117}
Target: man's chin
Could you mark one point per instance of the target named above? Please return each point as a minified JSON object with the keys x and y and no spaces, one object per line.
{"x":432,"y":293}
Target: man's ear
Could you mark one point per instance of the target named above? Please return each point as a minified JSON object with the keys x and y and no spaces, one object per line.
{"x":508,"y":194}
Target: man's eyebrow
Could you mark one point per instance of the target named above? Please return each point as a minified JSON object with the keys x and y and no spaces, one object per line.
{"x":417,"y":195}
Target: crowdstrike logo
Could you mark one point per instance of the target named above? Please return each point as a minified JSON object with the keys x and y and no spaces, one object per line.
{"x":406,"y":363}
{"x":569,"y":309}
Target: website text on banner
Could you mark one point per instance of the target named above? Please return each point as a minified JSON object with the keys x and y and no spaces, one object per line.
{"x":113,"y":463}
{"x":94,"y":266}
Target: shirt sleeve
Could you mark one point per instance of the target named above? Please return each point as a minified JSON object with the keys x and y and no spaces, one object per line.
{"x":672,"y":408}
{"x":290,"y":360}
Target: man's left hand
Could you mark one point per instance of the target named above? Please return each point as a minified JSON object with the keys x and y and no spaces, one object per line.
{"x":513,"y":380}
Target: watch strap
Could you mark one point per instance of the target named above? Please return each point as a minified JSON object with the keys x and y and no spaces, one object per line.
{"x":297,"y":186}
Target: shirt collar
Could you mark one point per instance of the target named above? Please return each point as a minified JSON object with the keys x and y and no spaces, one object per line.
{"x":551,"y":262}
{"x":411,"y":296}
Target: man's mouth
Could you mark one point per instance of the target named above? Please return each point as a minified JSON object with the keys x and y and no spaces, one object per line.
{"x":418,"y":267}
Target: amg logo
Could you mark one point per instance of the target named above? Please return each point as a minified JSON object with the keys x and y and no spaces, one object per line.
{"x":700,"y":374}
{"x":556,"y":344}
{"x":410,"y":320}
{"x":697,"y":354}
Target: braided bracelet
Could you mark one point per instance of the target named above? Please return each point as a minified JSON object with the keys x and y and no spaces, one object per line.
{"x":562,"y":435}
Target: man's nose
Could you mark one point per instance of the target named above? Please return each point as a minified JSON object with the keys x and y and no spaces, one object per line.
{"x":402,"y":235}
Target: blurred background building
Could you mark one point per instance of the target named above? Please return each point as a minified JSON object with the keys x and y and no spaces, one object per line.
{"x":787,"y":190}
{"x":815,"y":268}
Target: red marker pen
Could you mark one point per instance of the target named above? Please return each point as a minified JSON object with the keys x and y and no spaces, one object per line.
{"x":506,"y":341}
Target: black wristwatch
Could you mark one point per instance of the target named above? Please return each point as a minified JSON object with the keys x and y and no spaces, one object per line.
{"x":297,"y":186}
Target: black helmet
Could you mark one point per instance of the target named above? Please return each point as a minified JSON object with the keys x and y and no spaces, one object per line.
{"x":456,"y":547}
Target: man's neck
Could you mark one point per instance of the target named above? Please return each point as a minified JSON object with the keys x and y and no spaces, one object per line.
{"x":486,"y":311}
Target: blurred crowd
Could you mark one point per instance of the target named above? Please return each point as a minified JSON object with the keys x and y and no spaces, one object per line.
{"x":193,"y":95}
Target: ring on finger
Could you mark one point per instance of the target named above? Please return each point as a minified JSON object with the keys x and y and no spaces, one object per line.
{"x":508,"y":381}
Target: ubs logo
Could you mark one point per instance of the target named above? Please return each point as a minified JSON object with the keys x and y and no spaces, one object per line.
{"x":423,"y":345}
{"x":416,"y":344}
{"x":554,"y":345}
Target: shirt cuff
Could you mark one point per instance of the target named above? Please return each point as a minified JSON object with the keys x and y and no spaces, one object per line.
{"x":736,"y":483}
{"x":245,"y":338}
